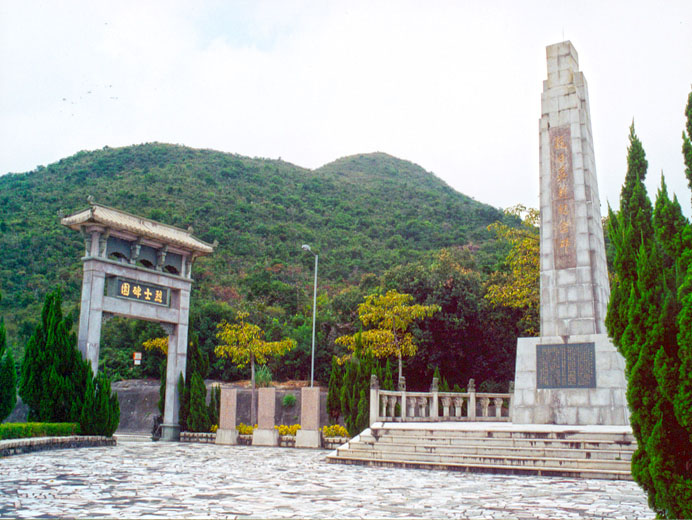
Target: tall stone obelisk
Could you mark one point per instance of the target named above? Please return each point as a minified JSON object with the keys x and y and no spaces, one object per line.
{"x":571,"y":374}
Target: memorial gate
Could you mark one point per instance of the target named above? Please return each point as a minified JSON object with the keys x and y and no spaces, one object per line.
{"x":137,"y":268}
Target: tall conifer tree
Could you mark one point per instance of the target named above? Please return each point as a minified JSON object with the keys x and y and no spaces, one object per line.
{"x":8,"y":374}
{"x":650,"y":320}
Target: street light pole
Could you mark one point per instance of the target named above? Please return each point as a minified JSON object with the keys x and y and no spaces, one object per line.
{"x":314,"y":316}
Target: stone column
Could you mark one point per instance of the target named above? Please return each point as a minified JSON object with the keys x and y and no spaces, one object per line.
{"x":309,"y":434}
{"x":266,"y":434}
{"x":227,"y":433}
{"x":176,"y":365}
{"x":91,"y":312}
{"x":170,"y":429}
{"x":574,"y":276}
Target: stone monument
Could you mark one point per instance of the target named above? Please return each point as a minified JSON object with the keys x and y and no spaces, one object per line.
{"x":571,"y":373}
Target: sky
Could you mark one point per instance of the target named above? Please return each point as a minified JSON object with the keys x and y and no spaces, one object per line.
{"x":453,"y":86}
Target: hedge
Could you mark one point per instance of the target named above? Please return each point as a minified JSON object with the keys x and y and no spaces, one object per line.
{"x":22,"y":430}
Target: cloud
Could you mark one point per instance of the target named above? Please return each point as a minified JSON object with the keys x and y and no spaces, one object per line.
{"x":452,"y":86}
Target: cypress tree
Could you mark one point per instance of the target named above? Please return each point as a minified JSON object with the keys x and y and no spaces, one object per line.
{"x":54,"y":375}
{"x":333,"y":397}
{"x":215,"y":405}
{"x":363,"y":415}
{"x":8,"y":375}
{"x":183,"y":403}
{"x":100,"y":413}
{"x":193,"y":397}
{"x":388,"y":383}
{"x":628,"y":229}
{"x":198,"y":418}
{"x":650,"y":319}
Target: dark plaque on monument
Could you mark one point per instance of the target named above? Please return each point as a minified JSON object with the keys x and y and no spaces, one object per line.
{"x":571,"y":365}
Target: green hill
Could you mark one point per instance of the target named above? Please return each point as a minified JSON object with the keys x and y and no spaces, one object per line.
{"x":364,"y":214}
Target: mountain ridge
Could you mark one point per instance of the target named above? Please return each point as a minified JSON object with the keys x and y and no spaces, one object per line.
{"x":364,"y":213}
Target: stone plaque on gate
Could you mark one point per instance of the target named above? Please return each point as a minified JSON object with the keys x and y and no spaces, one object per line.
{"x":571,"y":365}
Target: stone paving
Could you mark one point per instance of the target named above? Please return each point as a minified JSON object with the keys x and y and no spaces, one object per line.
{"x":180,"y":480}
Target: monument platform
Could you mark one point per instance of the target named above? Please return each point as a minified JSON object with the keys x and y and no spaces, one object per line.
{"x":582,"y":451}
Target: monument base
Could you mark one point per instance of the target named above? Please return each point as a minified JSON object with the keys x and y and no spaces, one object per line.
{"x":308,"y":439}
{"x":548,"y":402}
{"x":170,"y":432}
{"x":227,"y":437}
{"x":265,"y":438}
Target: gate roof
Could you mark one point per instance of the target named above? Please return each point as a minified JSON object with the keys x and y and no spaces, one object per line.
{"x":118,"y":220}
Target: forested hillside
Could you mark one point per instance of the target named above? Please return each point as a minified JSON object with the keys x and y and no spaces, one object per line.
{"x":373,"y":219}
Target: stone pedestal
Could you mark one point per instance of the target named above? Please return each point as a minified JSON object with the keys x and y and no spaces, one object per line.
{"x":227,"y":433}
{"x":545,"y":398}
{"x":265,"y":434}
{"x":309,"y":434}
{"x":170,"y":432}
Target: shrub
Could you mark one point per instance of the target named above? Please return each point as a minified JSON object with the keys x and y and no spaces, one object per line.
{"x":263,"y":376}
{"x":334,"y":430}
{"x":288,"y":430}
{"x":213,"y":428}
{"x":245,"y":429}
{"x":25,"y":430}
{"x":288,"y":401}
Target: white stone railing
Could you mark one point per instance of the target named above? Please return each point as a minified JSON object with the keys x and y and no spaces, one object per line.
{"x":402,"y":406}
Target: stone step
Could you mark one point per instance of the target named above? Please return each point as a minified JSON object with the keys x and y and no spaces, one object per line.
{"x":519,"y":451}
{"x":585,"y":444}
{"x":486,"y":460}
{"x":483,"y":468}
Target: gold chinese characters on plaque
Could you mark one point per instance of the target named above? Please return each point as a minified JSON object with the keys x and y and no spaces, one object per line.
{"x":147,"y":293}
{"x":562,"y":197}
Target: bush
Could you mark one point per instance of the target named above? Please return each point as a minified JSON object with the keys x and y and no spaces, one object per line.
{"x":288,"y":430}
{"x":245,"y":429}
{"x":288,"y":401}
{"x":25,"y":430}
{"x":263,"y":377}
{"x":334,"y":430}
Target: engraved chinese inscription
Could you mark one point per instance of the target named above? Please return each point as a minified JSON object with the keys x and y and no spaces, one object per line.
{"x":143,"y":292}
{"x":562,"y":195}
{"x":571,"y":365}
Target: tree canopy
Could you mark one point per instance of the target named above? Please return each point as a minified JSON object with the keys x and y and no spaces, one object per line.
{"x":390,"y":315}
{"x":518,"y":285}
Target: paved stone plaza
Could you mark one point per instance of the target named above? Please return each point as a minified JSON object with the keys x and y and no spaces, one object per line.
{"x":146,"y":480}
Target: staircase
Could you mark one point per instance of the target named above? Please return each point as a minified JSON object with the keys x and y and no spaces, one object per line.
{"x":602,"y":452}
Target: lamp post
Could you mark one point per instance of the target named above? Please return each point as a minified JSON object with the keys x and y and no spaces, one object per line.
{"x":314,"y":315}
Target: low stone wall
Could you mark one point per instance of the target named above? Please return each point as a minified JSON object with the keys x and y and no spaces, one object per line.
{"x":332,"y":443}
{"x":11,"y":447}
{"x":206,"y":437}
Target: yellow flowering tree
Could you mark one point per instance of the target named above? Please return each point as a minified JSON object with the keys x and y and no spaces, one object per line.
{"x":390,"y":315}
{"x":160,"y":344}
{"x":244,"y":343}
{"x":519,"y":287}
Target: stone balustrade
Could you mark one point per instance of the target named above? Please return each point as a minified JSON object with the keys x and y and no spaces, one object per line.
{"x":402,"y":406}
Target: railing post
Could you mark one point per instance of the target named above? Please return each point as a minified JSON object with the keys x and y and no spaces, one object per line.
{"x":402,"y":388}
{"x":471,"y":412}
{"x":434,"y":406}
{"x":511,"y":399}
{"x":374,"y":400}
{"x":497,"y":401}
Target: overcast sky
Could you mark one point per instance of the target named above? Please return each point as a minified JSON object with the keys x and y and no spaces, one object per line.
{"x":452,"y":86}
